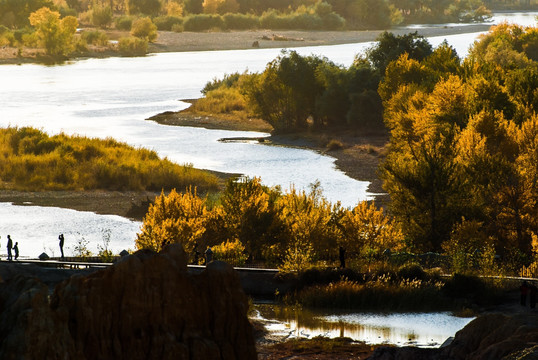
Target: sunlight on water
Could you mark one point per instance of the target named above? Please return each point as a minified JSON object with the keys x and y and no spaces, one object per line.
{"x":112,"y":98}
{"x":419,"y":329}
{"x":36,"y":229}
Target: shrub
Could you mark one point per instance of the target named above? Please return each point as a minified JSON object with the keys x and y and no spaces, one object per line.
{"x":221,"y":101}
{"x":6,"y":37}
{"x":203,"y":22}
{"x":144,"y":28}
{"x":334,"y":145}
{"x":95,"y":38}
{"x":240,"y":21}
{"x":177,"y":28}
{"x":411,"y":272}
{"x":133,"y":46}
{"x":232,"y":252}
{"x":101,"y":16}
{"x":166,"y":23}
{"x":124,"y":23}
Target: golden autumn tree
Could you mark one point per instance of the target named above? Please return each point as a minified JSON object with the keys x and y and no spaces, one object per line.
{"x":248,"y":214}
{"x":220,"y":6}
{"x":174,"y":218}
{"x":367,"y":230}
{"x":307,"y":219}
{"x":55,"y":34}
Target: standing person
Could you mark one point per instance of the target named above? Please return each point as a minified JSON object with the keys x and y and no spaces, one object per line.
{"x":16,"y":249}
{"x":342,"y":254}
{"x":9,"y":246}
{"x":532,"y":295}
{"x":523,"y":290}
{"x":61,"y":237}
{"x":208,"y":255}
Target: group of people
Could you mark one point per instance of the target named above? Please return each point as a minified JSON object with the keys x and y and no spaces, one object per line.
{"x":528,"y":289}
{"x":208,"y":254}
{"x":15,"y":248}
{"x":12,"y":249}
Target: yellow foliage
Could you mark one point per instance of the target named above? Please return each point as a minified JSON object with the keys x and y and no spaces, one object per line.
{"x":366,"y":228}
{"x":174,"y":218}
{"x":32,"y":160}
{"x":55,"y":35}
{"x":232,"y":252}
{"x":220,"y":6}
{"x":174,"y":9}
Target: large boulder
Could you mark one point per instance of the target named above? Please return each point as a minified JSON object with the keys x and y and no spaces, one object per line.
{"x":147,"y":306}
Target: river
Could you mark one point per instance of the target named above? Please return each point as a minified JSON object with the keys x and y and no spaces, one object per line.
{"x":112,"y":98}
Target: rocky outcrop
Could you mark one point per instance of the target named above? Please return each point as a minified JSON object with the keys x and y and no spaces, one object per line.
{"x":146,"y":306}
{"x":491,"y":336}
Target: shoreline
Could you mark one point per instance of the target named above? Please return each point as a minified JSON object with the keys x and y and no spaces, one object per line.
{"x":358,"y":156}
{"x":168,"y":41}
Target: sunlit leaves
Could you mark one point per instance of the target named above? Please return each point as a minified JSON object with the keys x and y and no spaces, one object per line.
{"x":55,"y":34}
{"x":174,"y":218}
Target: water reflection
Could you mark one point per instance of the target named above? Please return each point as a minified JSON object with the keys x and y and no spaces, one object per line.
{"x":36,"y":229}
{"x":419,"y":329}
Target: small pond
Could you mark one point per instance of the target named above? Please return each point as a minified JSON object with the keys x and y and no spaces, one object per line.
{"x":416,"y":329}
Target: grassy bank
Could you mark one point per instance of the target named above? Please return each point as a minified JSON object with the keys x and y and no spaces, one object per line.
{"x":34,"y":161}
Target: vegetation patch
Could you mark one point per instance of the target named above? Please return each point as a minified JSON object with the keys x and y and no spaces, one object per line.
{"x":32,"y":160}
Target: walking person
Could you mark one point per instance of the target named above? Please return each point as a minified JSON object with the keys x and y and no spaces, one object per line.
{"x":16,"y":250}
{"x":61,"y":237}
{"x":9,"y":246}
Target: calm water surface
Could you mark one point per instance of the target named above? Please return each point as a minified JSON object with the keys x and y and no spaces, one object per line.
{"x":419,"y":329}
{"x":113,"y":97}
{"x":36,"y":229}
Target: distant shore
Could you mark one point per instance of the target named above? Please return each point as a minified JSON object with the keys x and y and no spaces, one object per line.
{"x":168,"y":41}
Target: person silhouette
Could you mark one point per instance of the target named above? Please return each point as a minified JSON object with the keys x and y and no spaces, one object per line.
{"x":61,"y":237}
{"x":208,"y":255}
{"x":9,"y":246}
{"x":16,"y":250}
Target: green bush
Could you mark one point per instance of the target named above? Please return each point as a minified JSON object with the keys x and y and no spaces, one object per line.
{"x":124,"y":23}
{"x":101,"y":16}
{"x":95,"y":37}
{"x":166,"y":23}
{"x":411,"y":272}
{"x":6,"y":37}
{"x":144,"y":28}
{"x":241,"y":21}
{"x":177,"y":28}
{"x":133,"y":46}
{"x":203,"y":22}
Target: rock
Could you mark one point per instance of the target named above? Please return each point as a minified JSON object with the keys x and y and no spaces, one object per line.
{"x":43,"y":256}
{"x":146,"y":306}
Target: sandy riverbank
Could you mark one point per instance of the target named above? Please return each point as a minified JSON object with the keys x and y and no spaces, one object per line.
{"x":168,"y":41}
